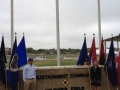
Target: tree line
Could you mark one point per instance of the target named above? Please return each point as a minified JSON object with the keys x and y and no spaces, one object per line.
{"x":52,"y":51}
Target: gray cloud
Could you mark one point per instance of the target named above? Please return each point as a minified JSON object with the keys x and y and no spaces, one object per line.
{"x":37,"y":19}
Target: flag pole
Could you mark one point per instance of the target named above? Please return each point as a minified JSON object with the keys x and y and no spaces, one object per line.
{"x":6,"y":77}
{"x":116,"y":85}
{"x":18,"y":84}
{"x":57,"y":33}
{"x":5,"y":69}
{"x":99,"y":23}
{"x":18,"y":72}
{"x":107,"y":73}
{"x":107,"y":78}
{"x":88,"y":69}
{"x":95,"y":48}
{"x":12,"y":25}
{"x":89,"y":77}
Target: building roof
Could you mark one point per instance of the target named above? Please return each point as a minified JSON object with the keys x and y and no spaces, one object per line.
{"x":115,"y":38}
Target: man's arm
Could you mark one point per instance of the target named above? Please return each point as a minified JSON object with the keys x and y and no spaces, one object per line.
{"x":24,"y":74}
{"x":34,"y":73}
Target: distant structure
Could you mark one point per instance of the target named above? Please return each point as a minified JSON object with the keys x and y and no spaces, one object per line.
{"x":115,"y":38}
{"x":8,"y":51}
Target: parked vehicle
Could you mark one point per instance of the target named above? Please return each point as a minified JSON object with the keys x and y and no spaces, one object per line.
{"x":40,"y":58}
{"x":63,"y":57}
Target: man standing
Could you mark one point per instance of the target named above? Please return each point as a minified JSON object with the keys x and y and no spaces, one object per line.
{"x":29,"y":75}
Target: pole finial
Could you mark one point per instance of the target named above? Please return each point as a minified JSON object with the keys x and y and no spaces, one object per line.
{"x":15,"y":33}
{"x":112,"y":35}
{"x":2,"y":34}
{"x":84,"y":34}
{"x":101,"y":35}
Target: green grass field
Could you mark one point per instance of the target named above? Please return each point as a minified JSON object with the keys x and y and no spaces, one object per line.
{"x":52,"y":61}
{"x":53,"y":56}
{"x":42,"y":63}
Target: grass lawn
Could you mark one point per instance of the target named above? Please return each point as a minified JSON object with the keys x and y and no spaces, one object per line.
{"x":51,"y":63}
{"x":51,"y":60}
{"x":54,"y":63}
{"x":48,"y":56}
{"x":53,"y":56}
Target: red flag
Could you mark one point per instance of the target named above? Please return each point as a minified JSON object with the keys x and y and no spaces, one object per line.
{"x":118,"y":66}
{"x":92,"y":53}
{"x":102,"y":53}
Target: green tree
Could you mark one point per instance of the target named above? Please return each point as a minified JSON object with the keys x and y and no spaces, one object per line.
{"x":30,"y":50}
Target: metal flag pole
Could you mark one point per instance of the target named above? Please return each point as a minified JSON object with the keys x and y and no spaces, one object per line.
{"x":88,"y":69}
{"x":99,"y":23}
{"x":116,"y":85}
{"x":12,"y":25}
{"x":107,"y":73}
{"x":18,"y":72}
{"x":57,"y":33}
{"x":5,"y":71}
{"x":89,"y":77}
{"x":107,"y":78}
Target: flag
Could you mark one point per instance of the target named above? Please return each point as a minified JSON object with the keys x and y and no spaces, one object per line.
{"x":21,"y":53}
{"x":18,"y":59}
{"x":83,"y":54}
{"x":3,"y":56}
{"x":2,"y":63}
{"x":118,"y":66}
{"x":92,"y":54}
{"x":102,"y":53}
{"x":111,"y":65}
{"x":12,"y":77}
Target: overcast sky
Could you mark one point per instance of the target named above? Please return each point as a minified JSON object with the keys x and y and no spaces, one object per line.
{"x":37,"y":19}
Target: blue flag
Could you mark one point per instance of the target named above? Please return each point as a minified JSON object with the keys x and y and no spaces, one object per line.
{"x":2,"y":63}
{"x":12,"y":77}
{"x":83,"y":54}
{"x":18,"y":59}
{"x":111,"y":65}
{"x":21,"y":53}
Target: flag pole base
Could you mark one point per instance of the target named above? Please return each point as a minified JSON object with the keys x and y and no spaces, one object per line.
{"x":2,"y":86}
